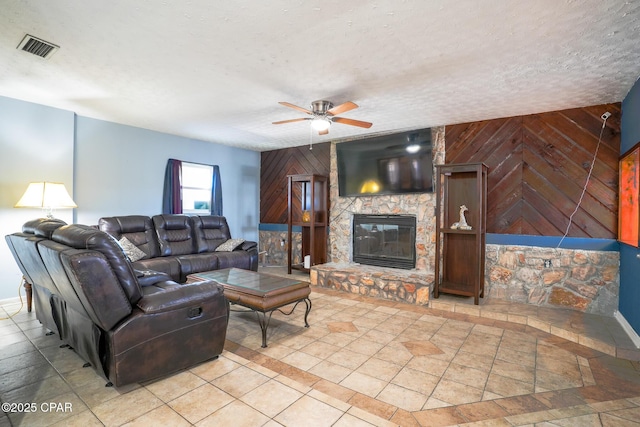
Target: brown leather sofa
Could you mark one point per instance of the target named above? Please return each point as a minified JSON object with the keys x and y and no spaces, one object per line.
{"x":179,"y":245}
{"x":131,"y":326}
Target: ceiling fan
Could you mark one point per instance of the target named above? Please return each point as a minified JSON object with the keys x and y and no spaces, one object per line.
{"x":323,"y":113}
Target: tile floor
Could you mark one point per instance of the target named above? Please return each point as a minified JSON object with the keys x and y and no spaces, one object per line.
{"x":363,"y":362}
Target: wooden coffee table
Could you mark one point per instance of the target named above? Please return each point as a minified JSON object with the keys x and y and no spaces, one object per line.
{"x":261,"y":293}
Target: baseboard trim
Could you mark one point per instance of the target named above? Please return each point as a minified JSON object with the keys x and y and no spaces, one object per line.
{"x":635,"y":338}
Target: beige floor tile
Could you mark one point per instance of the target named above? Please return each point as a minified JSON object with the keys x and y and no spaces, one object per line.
{"x":506,"y":387}
{"x":513,"y":370}
{"x":415,"y":380}
{"x":341,"y":339}
{"x":16,"y":379}
{"x":175,"y":386}
{"x":240,"y":381}
{"x":456,"y":393}
{"x":200,"y":403}
{"x":320,"y":349}
{"x":470,"y":360}
{"x":515,"y":356}
{"x":403,"y":398}
{"x":364,"y":384}
{"x":380,"y":369}
{"x":236,"y":414}
{"x":49,"y":410}
{"x":342,"y":327}
{"x":379,"y":336}
{"x":348,"y":420}
{"x":48,"y":388}
{"x":337,"y":403}
{"x":551,"y":381}
{"x":213,"y":369}
{"x":364,"y":346}
{"x":161,"y":416}
{"x":429,"y":364}
{"x":301,"y":360}
{"x":271,"y":398}
{"x":464,"y":375}
{"x":126,"y":407}
{"x":348,"y":358}
{"x":309,"y":412}
{"x":611,"y":420}
{"x":395,"y":352}
{"x":330,"y":371}
{"x":631,"y":414}
{"x":82,"y":419}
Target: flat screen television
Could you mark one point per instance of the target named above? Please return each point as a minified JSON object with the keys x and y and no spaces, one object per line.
{"x":390,"y":164}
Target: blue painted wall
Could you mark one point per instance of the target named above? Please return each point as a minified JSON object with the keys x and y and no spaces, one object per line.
{"x":109,"y":169}
{"x":629,"y":305}
{"x":36,"y":144}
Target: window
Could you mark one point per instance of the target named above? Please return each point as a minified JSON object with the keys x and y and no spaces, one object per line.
{"x":196,"y":186}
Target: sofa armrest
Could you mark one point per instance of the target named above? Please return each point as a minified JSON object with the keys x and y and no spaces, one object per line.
{"x":248,"y":245}
{"x":180,"y":297}
{"x":151,"y":277}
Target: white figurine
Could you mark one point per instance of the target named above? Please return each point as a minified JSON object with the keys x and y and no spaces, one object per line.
{"x":462,"y":224}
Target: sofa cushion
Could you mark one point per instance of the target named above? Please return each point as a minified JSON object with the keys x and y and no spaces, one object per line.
{"x":174,"y":234}
{"x":138,"y":229}
{"x":229,"y":245}
{"x":210,"y":231}
{"x":237,"y":259}
{"x":130,"y":250}
{"x":196,"y":263}
{"x":86,"y":237}
{"x":42,"y":227}
{"x":165,"y":264}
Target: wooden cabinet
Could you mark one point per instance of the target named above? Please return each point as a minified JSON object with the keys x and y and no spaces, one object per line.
{"x":308,"y":210}
{"x":460,"y":247}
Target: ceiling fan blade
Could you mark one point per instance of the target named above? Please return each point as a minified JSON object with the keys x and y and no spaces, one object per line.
{"x":291,"y":120}
{"x":351,"y":122}
{"x":347,"y":106}
{"x":295,"y":107}
{"x":323,"y":132}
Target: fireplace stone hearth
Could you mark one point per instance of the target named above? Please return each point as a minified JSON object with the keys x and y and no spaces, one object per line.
{"x":409,"y":286}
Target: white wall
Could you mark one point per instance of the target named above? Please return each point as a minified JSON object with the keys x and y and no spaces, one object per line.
{"x":109,"y":169}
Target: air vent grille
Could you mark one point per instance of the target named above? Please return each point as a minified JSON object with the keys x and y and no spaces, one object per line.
{"x":37,"y":46}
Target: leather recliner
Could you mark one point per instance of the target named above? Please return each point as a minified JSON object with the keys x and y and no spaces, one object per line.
{"x":130,"y":325}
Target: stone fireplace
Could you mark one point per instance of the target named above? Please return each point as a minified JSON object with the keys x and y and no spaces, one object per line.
{"x":410,"y":284}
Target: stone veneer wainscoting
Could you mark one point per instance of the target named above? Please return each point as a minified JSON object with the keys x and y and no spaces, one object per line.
{"x":582,"y":280}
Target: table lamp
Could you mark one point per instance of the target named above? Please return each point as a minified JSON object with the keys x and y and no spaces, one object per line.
{"x":46,"y":195}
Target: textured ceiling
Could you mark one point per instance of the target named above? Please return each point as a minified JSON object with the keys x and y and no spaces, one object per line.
{"x":215,"y":70}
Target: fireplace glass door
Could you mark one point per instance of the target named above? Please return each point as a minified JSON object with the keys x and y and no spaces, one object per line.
{"x":385,"y":240}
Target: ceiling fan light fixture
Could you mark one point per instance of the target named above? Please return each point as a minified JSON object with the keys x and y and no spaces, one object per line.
{"x":413,"y":148}
{"x":320,"y":124}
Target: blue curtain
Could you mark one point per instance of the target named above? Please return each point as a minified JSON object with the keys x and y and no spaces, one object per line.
{"x":216,"y":193}
{"x":172,"y":194}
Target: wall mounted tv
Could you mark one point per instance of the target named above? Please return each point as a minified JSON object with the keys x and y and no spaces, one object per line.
{"x":389,"y":164}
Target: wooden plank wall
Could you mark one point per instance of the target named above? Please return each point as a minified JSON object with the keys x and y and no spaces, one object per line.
{"x":276,"y":165}
{"x":538,"y":165}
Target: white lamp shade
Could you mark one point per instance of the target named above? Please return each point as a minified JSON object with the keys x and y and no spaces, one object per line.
{"x":47,"y":195}
{"x":320,"y":124}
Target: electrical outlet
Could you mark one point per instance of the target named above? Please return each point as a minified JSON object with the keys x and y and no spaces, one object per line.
{"x":547,"y":263}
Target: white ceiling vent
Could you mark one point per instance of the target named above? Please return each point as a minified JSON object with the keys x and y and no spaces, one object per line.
{"x":37,"y":46}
